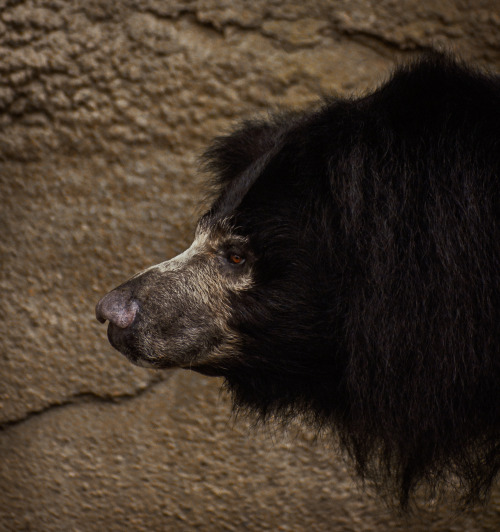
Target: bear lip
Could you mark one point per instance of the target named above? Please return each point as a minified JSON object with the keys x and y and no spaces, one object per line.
{"x":123,"y":341}
{"x":118,"y":339}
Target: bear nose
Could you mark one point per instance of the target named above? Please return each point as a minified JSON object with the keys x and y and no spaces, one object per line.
{"x":118,"y":308}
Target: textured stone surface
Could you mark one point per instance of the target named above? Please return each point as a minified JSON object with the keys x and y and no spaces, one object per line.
{"x":71,"y":230}
{"x":169,"y":460}
{"x":104,"y":108}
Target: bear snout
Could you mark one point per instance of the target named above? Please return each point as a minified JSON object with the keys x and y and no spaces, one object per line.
{"x":118,"y":308}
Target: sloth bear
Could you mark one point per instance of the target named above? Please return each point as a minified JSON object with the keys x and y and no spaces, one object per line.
{"x":348,"y":272}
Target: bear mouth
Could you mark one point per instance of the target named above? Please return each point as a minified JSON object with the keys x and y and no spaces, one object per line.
{"x":127,"y":342}
{"x":143,"y":349}
{"x":123,"y":341}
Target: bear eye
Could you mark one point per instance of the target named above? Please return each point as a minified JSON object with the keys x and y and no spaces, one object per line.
{"x":234,"y":258}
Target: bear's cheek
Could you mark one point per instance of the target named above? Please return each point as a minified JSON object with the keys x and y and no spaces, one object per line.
{"x":178,"y":340}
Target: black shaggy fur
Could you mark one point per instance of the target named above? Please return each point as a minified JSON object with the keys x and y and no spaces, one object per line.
{"x":376,"y":306}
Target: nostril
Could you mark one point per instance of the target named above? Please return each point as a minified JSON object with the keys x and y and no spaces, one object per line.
{"x":118,"y":308}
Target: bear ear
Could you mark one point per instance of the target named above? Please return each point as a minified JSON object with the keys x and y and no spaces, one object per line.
{"x":228,"y":156}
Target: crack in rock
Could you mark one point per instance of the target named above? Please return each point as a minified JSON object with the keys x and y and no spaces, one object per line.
{"x":83,"y":398}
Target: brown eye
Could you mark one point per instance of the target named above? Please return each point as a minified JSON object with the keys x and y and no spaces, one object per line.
{"x":234,"y":258}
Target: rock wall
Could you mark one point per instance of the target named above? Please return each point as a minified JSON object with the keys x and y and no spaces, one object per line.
{"x":104,"y":108}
